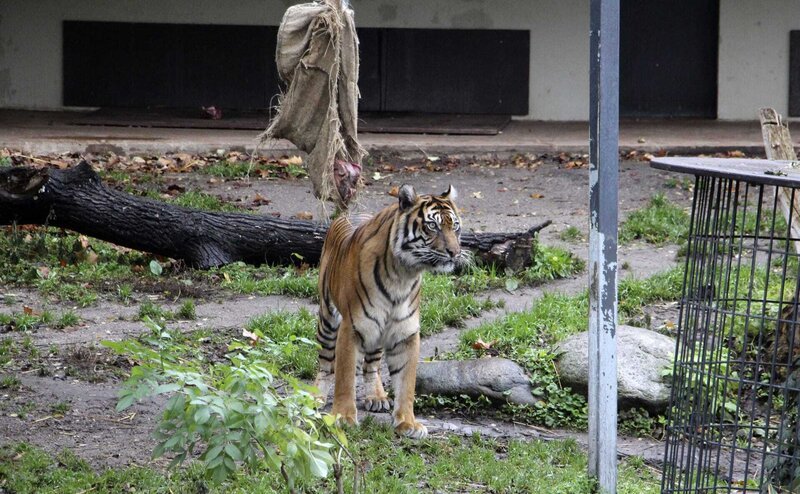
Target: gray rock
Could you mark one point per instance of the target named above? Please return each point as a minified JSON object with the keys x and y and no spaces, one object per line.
{"x":642,"y":355}
{"x":495,"y":378}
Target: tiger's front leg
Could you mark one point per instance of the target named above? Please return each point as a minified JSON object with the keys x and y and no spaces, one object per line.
{"x":376,"y":399}
{"x":344,"y":392}
{"x":401,"y":357}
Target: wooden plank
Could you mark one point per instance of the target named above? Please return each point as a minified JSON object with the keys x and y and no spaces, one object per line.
{"x":778,"y":146}
{"x":777,"y":141}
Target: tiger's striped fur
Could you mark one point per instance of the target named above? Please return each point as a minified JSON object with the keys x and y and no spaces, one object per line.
{"x":370,"y":277}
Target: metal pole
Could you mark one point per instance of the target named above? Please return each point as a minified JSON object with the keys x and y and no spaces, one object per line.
{"x":603,"y":192}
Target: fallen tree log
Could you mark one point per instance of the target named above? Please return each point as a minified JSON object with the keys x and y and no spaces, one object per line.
{"x":76,"y":199}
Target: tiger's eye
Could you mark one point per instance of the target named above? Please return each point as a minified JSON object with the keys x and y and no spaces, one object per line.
{"x":430,"y":225}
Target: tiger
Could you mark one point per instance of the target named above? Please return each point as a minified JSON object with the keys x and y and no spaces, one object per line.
{"x":370,"y":278}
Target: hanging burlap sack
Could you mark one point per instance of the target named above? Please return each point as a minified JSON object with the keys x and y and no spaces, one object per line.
{"x":317,"y":59}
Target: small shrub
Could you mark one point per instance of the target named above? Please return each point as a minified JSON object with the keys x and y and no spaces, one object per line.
{"x":232,"y":411}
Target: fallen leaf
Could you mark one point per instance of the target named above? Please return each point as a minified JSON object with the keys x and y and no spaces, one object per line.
{"x":304,"y":215}
{"x":477,"y":195}
{"x":537,"y":195}
{"x":377,"y":176}
{"x":294,"y":160}
{"x":736,"y":154}
{"x":482,"y":345}
{"x":250,"y":336}
{"x":502,"y":189}
{"x":260,"y":200}
{"x":641,"y":140}
{"x":394,"y":191}
{"x":27,"y":310}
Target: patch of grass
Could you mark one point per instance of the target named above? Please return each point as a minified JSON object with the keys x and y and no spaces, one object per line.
{"x":5,"y":161}
{"x":552,"y":263}
{"x":549,"y":263}
{"x":10,"y":382}
{"x":150,"y":310}
{"x":266,"y":280}
{"x":241,"y":169}
{"x":22,"y":321}
{"x":67,"y":266}
{"x":686,"y":184}
{"x":187,"y":311}
{"x":443,"y":306}
{"x":153,"y":311}
{"x":8,"y":350}
{"x":657,"y":223}
{"x":68,"y":319}
{"x":633,"y":294}
{"x":295,"y":334}
{"x":60,"y":408}
{"x":125,"y":293}
{"x":207,"y":202}
{"x":571,"y":234}
{"x":395,"y":466}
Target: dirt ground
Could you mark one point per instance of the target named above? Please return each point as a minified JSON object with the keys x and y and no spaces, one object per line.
{"x":492,"y":198}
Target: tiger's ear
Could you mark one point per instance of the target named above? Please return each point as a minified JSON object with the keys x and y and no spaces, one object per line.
{"x":407,"y":197}
{"x":451,"y":193}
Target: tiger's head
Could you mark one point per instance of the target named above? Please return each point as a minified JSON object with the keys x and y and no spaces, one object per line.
{"x":429,"y":231}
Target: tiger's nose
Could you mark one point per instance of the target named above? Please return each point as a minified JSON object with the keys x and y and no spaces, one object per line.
{"x":453,"y":251}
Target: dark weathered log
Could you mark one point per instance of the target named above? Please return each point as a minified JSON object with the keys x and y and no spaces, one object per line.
{"x":76,"y":199}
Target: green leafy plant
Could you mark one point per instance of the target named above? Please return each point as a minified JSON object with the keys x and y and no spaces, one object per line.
{"x":232,"y":411}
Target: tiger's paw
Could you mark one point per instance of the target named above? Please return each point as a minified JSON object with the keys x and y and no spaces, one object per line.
{"x":414,"y":429}
{"x":345,"y":416}
{"x":378,"y":404}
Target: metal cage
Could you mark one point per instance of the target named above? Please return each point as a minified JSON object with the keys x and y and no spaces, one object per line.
{"x":732,"y":423}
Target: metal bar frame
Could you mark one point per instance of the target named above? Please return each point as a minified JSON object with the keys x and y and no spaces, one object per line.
{"x":603,"y":207}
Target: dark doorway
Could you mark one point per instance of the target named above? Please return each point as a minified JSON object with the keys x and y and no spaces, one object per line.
{"x":668,"y":58}
{"x":115,"y":64}
{"x":444,"y":71}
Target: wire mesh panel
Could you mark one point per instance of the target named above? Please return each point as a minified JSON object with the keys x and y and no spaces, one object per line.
{"x":732,"y":422}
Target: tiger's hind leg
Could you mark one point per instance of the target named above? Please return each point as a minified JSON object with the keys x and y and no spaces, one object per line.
{"x":376,"y":399}
{"x":327,"y":331}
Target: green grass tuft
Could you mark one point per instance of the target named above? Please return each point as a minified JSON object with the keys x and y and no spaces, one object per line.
{"x":657,"y":223}
{"x":295,"y":333}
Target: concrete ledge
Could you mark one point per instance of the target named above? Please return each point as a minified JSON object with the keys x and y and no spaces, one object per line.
{"x":50,"y":133}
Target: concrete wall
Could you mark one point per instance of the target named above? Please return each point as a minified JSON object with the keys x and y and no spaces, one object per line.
{"x":754,"y":56}
{"x":30,"y":38}
{"x":753,"y":52}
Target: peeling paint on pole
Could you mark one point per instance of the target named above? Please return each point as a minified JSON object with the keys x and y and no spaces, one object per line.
{"x":603,"y":207}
